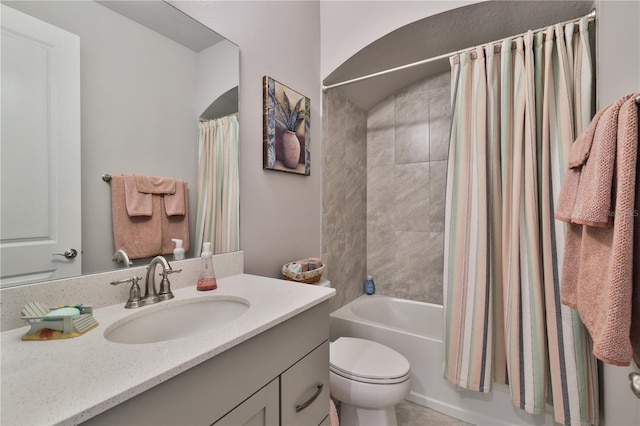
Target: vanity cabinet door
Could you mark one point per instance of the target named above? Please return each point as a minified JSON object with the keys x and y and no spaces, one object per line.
{"x":304,"y":398}
{"x":260,"y":409}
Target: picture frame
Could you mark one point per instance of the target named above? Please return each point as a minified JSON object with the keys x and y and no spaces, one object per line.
{"x":286,"y":128}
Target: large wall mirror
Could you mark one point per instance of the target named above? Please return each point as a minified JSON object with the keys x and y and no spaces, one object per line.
{"x":148,"y":74}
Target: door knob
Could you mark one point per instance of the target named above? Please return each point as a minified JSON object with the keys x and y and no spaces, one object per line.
{"x":69,"y":254}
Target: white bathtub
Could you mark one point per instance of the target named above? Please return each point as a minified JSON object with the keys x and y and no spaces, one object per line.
{"x":415,"y":330}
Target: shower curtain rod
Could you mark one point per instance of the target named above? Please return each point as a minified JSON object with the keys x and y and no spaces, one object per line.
{"x":590,"y":16}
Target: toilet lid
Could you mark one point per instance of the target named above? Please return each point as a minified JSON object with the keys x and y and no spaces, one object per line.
{"x":365,"y":359}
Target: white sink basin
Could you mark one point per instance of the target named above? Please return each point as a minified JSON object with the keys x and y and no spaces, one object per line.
{"x":176,"y":319}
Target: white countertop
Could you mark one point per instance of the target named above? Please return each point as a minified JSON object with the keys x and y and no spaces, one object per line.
{"x":68,"y":381}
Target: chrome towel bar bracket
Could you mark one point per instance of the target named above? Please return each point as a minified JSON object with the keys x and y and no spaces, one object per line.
{"x":634,"y":383}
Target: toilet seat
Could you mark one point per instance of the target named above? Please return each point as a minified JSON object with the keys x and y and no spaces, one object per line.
{"x":368,"y":362}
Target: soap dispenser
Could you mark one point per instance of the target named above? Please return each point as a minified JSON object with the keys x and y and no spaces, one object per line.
{"x":369,"y":286}
{"x":207,"y":279}
{"x":178,"y":252}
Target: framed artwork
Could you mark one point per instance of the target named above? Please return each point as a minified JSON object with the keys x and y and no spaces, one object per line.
{"x":286,"y":129}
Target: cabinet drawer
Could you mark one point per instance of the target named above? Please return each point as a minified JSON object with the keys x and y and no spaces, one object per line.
{"x":304,"y":389}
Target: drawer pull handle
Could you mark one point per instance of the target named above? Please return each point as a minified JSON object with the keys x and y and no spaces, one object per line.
{"x":310,"y":400}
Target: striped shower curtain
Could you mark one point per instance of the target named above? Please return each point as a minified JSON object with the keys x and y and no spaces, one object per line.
{"x":517,"y":108}
{"x":217,"y":216}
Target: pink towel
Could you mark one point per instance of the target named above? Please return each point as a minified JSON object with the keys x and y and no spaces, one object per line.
{"x":333,"y":414}
{"x":138,"y":203}
{"x":174,"y":204}
{"x":586,"y":194}
{"x":176,"y":226}
{"x":155,"y":184}
{"x":139,"y":236}
{"x":598,"y":272}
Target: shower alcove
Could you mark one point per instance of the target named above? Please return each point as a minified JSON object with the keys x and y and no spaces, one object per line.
{"x":385,"y":147}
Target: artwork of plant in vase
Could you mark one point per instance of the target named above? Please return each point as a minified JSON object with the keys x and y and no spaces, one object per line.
{"x":289,"y":120}
{"x":286,"y":129}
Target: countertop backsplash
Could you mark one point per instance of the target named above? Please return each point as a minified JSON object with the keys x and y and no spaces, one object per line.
{"x":95,"y":289}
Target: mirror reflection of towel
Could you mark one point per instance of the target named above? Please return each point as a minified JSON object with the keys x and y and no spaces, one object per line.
{"x":148,"y":233}
{"x":175,"y":204}
{"x":137,"y":203}
{"x":139,"y":236}
{"x":155,"y":184}
{"x":175,"y":225}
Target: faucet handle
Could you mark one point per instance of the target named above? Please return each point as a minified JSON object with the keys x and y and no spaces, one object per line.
{"x":133,"y":280}
{"x":135,"y":300}
{"x":165,"y":286}
{"x":166,"y":272}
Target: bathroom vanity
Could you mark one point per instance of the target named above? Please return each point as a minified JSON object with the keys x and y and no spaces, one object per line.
{"x":267,"y":366}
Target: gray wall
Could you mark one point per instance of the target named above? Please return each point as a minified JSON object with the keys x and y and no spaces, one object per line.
{"x":407,"y":152}
{"x":280,"y":213}
{"x":618,"y":73}
{"x":383,"y":192}
{"x":344,"y":196}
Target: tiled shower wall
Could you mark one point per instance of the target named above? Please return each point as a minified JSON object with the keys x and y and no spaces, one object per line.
{"x":344,"y":196}
{"x":384,"y":175}
{"x":407,"y":151}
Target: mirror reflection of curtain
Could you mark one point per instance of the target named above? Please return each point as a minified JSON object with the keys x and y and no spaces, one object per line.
{"x":217,"y":217}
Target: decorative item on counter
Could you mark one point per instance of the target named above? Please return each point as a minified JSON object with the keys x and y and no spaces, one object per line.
{"x":369,"y":286}
{"x":207,"y":279}
{"x":178,"y":252}
{"x":306,"y":271}
{"x":295,"y":267}
{"x":304,"y":264}
{"x":62,"y":322}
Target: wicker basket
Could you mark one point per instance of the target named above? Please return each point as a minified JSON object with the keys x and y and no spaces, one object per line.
{"x":308,"y":277}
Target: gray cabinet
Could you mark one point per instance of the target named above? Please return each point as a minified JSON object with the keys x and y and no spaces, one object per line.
{"x":261,"y":409}
{"x":305,"y":389}
{"x":237,"y":386}
{"x":301,"y":399}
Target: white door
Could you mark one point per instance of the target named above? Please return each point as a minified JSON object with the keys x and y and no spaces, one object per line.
{"x":39,"y":151}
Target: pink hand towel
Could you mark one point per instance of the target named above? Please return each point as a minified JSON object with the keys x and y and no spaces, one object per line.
{"x":155,"y":184}
{"x":139,"y":236}
{"x":174,"y":204}
{"x":587,"y":194}
{"x":175,"y":226}
{"x":138,"y":204}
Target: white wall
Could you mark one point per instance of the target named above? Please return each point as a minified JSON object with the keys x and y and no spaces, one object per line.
{"x":217,"y":72}
{"x":280,"y":213}
{"x":349,"y":26}
{"x":618,"y":73}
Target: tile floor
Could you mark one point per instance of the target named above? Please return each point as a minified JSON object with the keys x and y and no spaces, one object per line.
{"x":410,"y":414}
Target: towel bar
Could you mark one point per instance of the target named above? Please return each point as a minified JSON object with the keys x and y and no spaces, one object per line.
{"x":638,"y":100}
{"x":106,"y":177}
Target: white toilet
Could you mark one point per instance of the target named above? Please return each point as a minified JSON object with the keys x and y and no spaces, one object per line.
{"x":368,"y":379}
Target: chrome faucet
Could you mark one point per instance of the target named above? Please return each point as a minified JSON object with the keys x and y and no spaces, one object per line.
{"x":121,"y":256}
{"x":151,"y":296}
{"x":150,"y":292}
